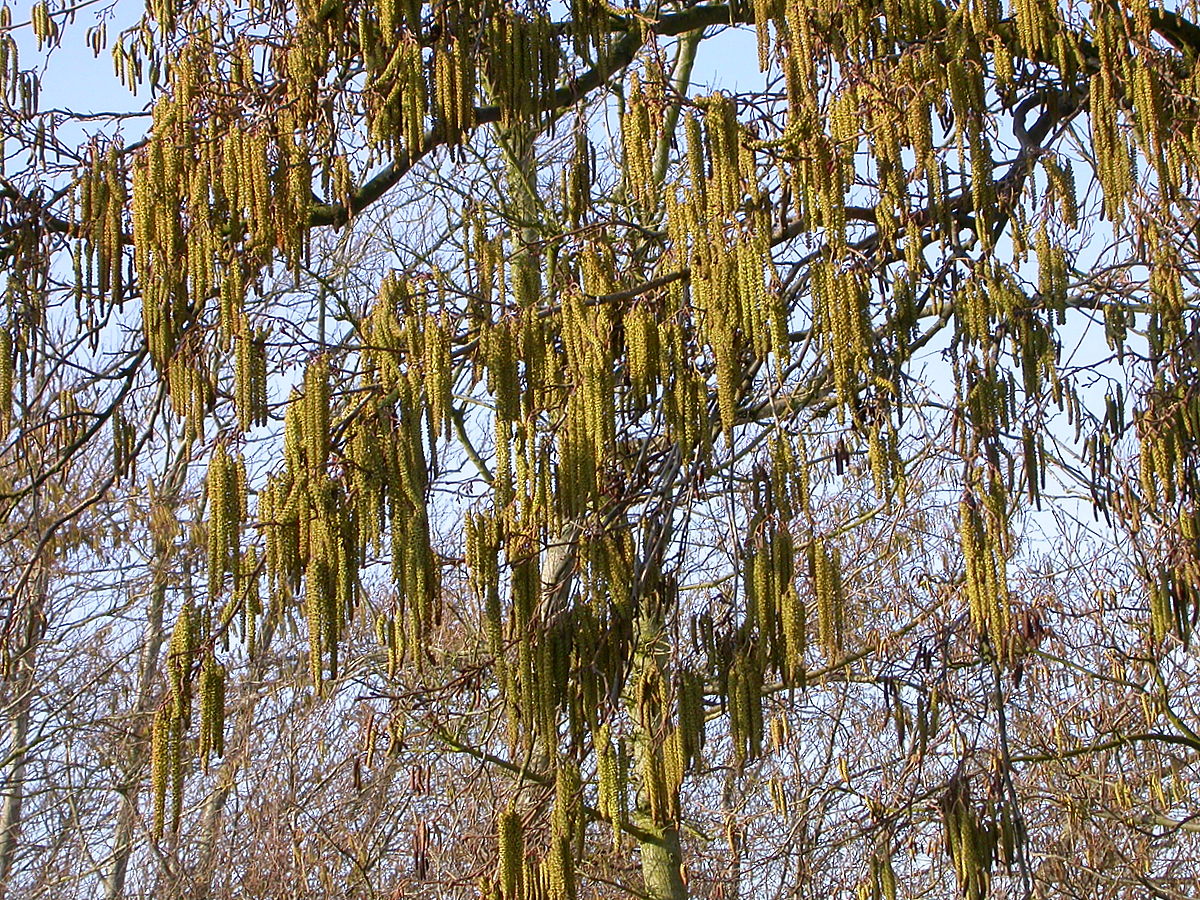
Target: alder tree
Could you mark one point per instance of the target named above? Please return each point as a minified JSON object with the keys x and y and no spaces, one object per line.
{"x":451,"y":449}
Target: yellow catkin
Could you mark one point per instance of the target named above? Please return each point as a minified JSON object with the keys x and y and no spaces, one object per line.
{"x":608,"y":782}
{"x":827,"y":576}
{"x":511,"y":854}
{"x":160,"y":761}
{"x":226,"y":490}
{"x":439,"y":372}
{"x":212,"y":710}
{"x":315,"y":417}
{"x":250,"y":377}
{"x":179,"y":662}
{"x":7,"y":378}
{"x":316,"y":601}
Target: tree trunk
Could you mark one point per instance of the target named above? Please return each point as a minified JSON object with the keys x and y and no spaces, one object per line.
{"x":136,"y":745}
{"x":662,"y":864}
{"x":210,"y":832}
{"x":14,"y":774}
{"x":23,"y":667}
{"x":660,"y":848}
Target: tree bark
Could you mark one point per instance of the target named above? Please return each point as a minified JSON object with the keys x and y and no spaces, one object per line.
{"x":210,"y":832}
{"x":660,"y":848}
{"x":136,"y":746}
{"x":13,"y":784}
{"x":23,"y":668}
{"x":662,"y":864}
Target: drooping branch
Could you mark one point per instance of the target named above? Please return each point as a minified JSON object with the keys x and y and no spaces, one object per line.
{"x":618,"y":57}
